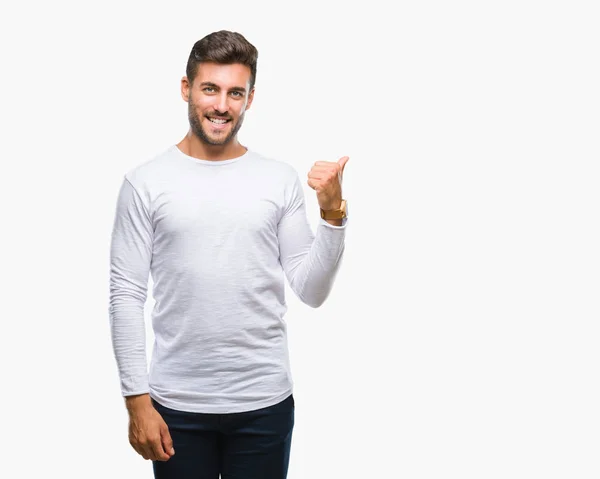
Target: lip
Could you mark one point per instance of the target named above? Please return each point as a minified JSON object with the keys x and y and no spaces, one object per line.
{"x":215,"y":126}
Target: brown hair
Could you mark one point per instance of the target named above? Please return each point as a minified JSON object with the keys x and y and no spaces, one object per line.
{"x":223,"y":47}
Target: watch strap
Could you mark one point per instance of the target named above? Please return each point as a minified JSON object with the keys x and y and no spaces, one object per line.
{"x":334,"y":214}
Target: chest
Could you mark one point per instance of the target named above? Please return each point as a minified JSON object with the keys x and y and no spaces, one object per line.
{"x":218,"y":206}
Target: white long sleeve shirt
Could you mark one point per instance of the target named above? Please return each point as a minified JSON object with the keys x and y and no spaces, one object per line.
{"x":217,"y":238}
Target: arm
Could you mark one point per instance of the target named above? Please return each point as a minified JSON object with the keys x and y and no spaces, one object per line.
{"x":310,"y":261}
{"x":130,"y":258}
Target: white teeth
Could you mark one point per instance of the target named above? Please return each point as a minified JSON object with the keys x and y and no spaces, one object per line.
{"x":219,"y":122}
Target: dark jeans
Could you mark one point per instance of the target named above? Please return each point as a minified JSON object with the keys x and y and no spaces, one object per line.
{"x":246,"y":445}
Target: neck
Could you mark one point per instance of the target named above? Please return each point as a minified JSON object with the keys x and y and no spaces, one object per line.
{"x":192,"y":146}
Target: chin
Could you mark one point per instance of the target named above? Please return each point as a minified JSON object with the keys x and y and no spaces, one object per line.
{"x":218,"y":141}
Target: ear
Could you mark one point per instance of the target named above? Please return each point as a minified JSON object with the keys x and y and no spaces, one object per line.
{"x":250,"y":98}
{"x":185,"y":89}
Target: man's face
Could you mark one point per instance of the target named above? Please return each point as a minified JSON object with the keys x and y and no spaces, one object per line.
{"x":217,"y":101}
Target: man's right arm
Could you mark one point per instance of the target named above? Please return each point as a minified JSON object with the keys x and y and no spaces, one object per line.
{"x":130,"y":259}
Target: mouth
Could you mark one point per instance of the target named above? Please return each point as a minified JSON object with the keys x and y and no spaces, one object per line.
{"x":218,"y":123}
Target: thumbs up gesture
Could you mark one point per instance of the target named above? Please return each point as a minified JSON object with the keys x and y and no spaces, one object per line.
{"x":325,"y":177}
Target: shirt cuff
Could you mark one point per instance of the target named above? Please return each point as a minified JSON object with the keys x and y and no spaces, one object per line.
{"x":344,"y":221}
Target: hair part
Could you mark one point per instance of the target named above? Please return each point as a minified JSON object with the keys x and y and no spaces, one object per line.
{"x":223,"y":47}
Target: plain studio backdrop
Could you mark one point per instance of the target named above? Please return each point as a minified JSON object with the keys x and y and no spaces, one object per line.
{"x":461,"y":336}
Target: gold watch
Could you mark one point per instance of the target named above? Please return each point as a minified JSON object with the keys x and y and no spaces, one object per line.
{"x":341,"y":212}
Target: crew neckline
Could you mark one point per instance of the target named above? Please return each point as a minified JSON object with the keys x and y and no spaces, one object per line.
{"x":200,"y":161}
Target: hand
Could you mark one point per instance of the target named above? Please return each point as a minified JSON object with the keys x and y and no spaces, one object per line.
{"x":325,"y":177}
{"x":149,"y":434}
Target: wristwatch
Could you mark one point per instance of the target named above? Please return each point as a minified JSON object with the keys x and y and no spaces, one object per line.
{"x":341,"y":212}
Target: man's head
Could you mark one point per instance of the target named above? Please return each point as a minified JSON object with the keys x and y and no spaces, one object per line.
{"x":219,"y":85}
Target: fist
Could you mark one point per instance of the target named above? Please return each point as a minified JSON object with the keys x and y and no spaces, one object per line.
{"x":325,"y":177}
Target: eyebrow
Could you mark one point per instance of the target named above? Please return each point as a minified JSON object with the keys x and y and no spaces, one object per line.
{"x":213,"y":85}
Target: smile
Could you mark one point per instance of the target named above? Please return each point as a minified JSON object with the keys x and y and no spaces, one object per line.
{"x":218,"y":123}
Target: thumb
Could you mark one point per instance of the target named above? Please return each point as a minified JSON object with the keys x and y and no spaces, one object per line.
{"x":342,"y":162}
{"x":167,"y":442}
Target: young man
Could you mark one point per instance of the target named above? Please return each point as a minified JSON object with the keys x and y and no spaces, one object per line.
{"x":218,"y":226}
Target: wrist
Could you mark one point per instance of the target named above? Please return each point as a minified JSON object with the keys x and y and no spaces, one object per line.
{"x":334,"y":205}
{"x":138,"y":402}
{"x":335,"y":213}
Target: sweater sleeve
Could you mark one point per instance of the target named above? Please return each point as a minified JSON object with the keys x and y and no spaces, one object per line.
{"x":130,"y":258}
{"x":310,"y":261}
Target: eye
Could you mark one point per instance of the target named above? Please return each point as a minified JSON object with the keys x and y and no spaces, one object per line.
{"x":237,"y":93}
{"x":208,"y":88}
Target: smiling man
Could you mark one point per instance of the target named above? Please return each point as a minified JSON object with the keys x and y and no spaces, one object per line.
{"x":219,"y":227}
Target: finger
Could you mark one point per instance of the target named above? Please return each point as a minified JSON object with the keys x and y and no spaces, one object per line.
{"x":332,"y":169}
{"x":167,"y":442}
{"x":144,"y":452}
{"x":316,"y":175}
{"x":314,"y":184}
{"x":158,"y":453}
{"x":138,"y":449}
{"x":328,"y":167}
{"x":342,"y":162}
{"x":325,"y":172}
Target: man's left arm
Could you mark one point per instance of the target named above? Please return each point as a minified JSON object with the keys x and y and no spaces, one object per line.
{"x":311,"y":261}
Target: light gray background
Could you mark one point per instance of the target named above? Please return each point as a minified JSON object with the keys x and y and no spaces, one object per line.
{"x":461,"y":337}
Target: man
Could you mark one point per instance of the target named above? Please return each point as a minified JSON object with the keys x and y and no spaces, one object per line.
{"x":218,"y":226}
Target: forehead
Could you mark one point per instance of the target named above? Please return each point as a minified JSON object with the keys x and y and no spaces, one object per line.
{"x":226,"y":76}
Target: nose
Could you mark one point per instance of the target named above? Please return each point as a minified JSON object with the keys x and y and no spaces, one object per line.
{"x":221,"y":105}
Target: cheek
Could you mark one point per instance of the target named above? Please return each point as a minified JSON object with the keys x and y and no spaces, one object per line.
{"x":240,"y":109}
{"x":199,"y":105}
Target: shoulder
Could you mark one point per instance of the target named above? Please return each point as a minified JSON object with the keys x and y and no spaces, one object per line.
{"x":275,"y":167}
{"x":151,"y":169}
